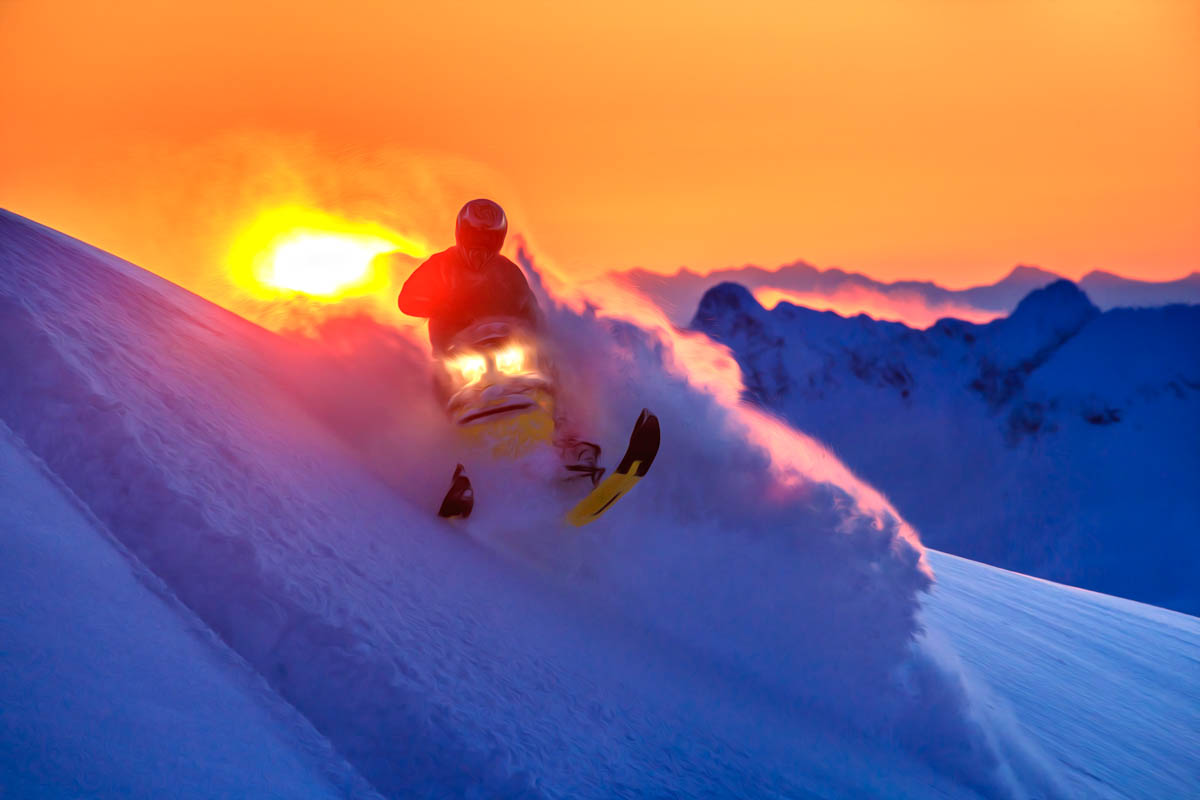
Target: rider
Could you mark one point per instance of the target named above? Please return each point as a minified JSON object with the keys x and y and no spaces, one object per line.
{"x":470,"y":280}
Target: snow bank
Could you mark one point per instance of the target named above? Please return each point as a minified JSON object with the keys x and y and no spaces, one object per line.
{"x":283,"y":489}
{"x":1106,"y":687}
{"x":160,"y":412}
{"x":110,"y":689}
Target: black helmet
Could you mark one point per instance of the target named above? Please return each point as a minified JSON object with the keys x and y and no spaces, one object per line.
{"x":479,"y":231}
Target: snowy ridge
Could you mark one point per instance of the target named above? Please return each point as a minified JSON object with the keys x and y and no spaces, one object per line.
{"x":1133,"y":666}
{"x":1038,"y":442}
{"x":109,"y":687}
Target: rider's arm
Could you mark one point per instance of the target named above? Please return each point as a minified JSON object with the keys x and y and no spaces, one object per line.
{"x":518,"y":289}
{"x":424,"y":291}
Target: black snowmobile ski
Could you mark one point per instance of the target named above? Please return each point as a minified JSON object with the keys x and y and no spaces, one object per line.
{"x":460,"y":499}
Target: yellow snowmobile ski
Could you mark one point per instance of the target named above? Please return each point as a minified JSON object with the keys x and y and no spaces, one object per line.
{"x":643,"y":447}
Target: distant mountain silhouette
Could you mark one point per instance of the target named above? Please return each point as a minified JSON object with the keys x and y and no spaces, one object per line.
{"x":1009,"y":290}
{"x":679,"y":294}
{"x":1111,"y":291}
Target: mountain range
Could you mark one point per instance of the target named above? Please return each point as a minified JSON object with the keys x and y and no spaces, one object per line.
{"x":917,"y":302}
{"x":1060,"y":441}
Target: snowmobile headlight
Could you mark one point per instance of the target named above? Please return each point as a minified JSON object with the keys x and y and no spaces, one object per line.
{"x":470,"y":367}
{"x":510,"y":360}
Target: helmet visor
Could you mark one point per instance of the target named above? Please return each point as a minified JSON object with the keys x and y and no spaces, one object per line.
{"x":476,"y":239}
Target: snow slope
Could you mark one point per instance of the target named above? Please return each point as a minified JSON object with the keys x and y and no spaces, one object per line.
{"x":1107,"y":687}
{"x":108,"y":688}
{"x":747,"y":624}
{"x":1059,"y":441}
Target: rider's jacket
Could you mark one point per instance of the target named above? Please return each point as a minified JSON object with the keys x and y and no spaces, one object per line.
{"x":453,"y":296}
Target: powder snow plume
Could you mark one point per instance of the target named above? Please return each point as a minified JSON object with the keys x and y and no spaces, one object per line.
{"x":752,"y":544}
{"x":708,"y":366}
{"x":835,"y":568}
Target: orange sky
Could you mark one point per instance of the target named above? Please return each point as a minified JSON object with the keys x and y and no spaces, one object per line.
{"x":937,"y":139}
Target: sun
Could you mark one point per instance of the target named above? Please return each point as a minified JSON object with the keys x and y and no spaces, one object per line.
{"x":322,"y":264}
{"x":296,"y":251}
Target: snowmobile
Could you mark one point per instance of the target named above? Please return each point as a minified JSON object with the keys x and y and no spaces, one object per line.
{"x":499,"y":391}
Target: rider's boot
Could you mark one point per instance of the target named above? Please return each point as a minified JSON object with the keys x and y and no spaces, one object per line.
{"x":460,"y":499}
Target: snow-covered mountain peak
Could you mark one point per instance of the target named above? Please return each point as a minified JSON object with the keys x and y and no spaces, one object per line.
{"x":1045,"y":319}
{"x":1060,"y":302}
{"x":727,"y":297}
{"x":731,"y":308}
{"x":1125,"y":357}
{"x":1025,"y":442}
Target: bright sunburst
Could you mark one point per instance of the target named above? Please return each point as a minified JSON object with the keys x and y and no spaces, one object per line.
{"x":294,"y":250}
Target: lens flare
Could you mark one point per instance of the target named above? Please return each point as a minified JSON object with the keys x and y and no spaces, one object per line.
{"x":296,"y":251}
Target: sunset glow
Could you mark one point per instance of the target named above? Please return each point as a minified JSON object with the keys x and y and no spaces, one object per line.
{"x":922,"y":139}
{"x":911,"y":309}
{"x":298,"y":251}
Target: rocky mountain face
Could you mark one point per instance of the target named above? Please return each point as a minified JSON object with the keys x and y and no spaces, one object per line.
{"x":1060,"y":441}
